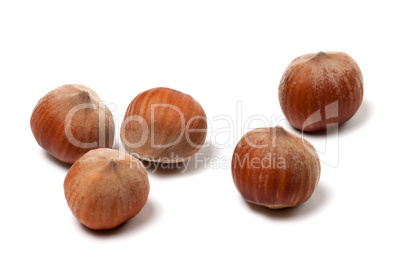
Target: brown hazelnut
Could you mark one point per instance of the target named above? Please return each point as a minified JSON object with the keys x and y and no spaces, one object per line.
{"x":71,"y":120}
{"x":163,"y":125}
{"x":105,"y":188}
{"x":274,"y":168}
{"x":320,"y":90}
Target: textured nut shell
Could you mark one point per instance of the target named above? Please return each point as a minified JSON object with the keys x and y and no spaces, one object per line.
{"x":275,"y":185}
{"x":105,"y":188}
{"x":168,"y":126}
{"x":91,"y":127}
{"x":312,"y":82}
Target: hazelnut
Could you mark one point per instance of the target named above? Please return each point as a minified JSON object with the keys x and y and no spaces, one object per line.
{"x":105,"y":188}
{"x":320,"y":90}
{"x":274,"y":168}
{"x":163,"y":125}
{"x":71,"y":120}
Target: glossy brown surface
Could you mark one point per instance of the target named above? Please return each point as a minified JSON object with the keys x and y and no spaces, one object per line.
{"x":164,"y":125}
{"x":105,"y":188}
{"x":274,"y":168}
{"x":71,"y":120}
{"x":319,"y":90}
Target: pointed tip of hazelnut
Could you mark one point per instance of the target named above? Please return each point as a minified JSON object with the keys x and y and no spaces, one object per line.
{"x":113,"y":162}
{"x":85,"y":95}
{"x":280,"y":129}
{"x":83,"y":92}
{"x":320,"y":55}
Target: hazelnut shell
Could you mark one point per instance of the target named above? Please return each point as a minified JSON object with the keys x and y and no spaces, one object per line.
{"x":71,"y":120}
{"x":320,"y":90}
{"x":275,"y":168}
{"x":106,"y":188}
{"x":163,"y":125}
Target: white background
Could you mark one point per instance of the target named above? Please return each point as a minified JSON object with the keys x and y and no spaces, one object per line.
{"x":220,"y":52}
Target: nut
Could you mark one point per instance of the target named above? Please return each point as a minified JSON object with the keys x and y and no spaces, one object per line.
{"x":105,"y":188}
{"x":320,"y":90}
{"x":163,"y":125}
{"x":71,"y":120}
{"x":274,"y":168}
